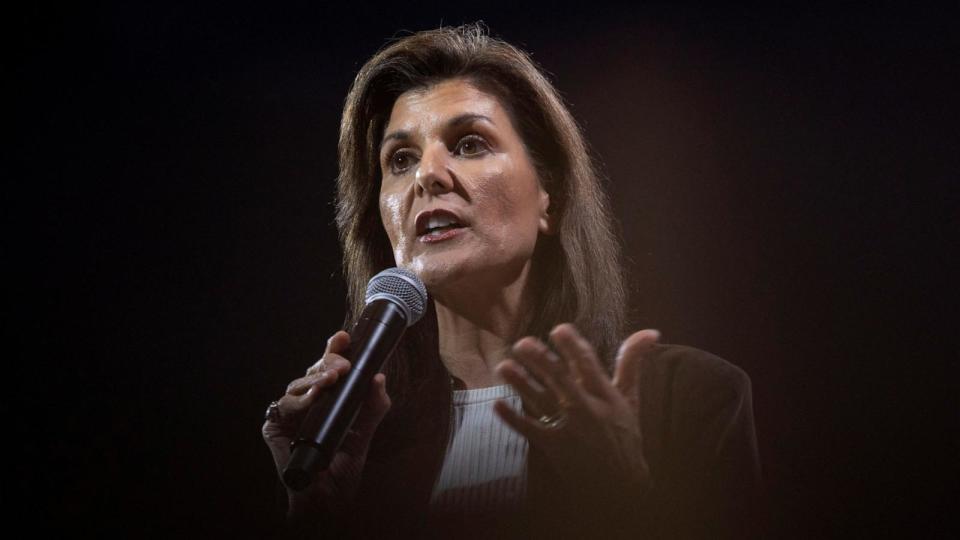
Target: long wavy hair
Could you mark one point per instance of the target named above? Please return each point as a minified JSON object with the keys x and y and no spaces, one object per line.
{"x":576,"y":273}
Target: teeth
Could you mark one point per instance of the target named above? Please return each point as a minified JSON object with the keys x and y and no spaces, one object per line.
{"x":439,"y":221}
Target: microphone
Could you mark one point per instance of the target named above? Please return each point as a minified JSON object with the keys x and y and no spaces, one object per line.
{"x":395,"y":300}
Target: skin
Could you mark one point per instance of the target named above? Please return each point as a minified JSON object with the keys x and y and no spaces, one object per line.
{"x":479,"y":169}
{"x":600,"y":445}
{"x":454,"y":147}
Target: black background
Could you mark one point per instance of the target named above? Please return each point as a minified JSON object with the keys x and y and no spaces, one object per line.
{"x":785,"y":182}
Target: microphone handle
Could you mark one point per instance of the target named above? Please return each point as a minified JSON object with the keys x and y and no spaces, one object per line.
{"x":373,"y":339}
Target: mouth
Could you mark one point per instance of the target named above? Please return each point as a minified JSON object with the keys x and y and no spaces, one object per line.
{"x":438,"y":224}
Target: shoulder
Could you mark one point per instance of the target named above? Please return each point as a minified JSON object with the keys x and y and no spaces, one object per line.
{"x":700,"y":440}
{"x":691,"y":389}
{"x":687,"y":368}
{"x":698,"y":411}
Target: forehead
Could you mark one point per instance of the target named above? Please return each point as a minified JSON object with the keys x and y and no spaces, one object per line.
{"x":423,"y":108}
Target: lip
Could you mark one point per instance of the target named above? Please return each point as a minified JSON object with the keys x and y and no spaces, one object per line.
{"x":445,"y":235}
{"x":424,"y":217}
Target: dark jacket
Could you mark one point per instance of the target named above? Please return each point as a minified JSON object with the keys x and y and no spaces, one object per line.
{"x":699,"y":442}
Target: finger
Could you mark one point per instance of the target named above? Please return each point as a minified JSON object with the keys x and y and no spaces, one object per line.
{"x":378,"y":401}
{"x":319,"y":366}
{"x":330,"y":362}
{"x":534,"y":431}
{"x":300,"y":386}
{"x":337,"y":344}
{"x":371,"y":413}
{"x":626,"y":377}
{"x":579,"y":352}
{"x":533,"y":395}
{"x":293,"y":404}
{"x":292,"y":408}
{"x":549,"y":370}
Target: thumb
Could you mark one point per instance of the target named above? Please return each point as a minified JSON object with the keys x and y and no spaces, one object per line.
{"x":626,"y":376}
{"x":378,"y":401}
{"x":373,"y":410}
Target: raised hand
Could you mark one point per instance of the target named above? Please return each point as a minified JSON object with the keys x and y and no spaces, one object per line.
{"x":586,"y":423}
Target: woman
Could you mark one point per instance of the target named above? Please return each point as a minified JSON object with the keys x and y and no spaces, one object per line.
{"x":513,"y":407}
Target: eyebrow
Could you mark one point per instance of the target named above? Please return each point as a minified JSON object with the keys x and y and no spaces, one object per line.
{"x":459,"y":120}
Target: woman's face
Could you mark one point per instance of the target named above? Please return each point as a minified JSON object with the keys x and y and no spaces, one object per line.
{"x":460,"y":198}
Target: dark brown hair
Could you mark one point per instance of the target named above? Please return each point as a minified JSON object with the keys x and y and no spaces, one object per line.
{"x":576,"y":272}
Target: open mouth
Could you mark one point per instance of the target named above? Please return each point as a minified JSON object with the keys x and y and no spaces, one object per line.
{"x":440,"y":224}
{"x":437,"y":224}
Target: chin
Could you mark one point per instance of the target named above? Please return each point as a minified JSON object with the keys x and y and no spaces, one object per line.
{"x":439,"y":273}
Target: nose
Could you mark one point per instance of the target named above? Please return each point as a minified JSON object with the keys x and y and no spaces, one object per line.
{"x":433,"y":174}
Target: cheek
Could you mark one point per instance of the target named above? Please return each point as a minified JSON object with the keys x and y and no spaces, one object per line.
{"x":510,"y":204}
{"x":391,"y":214}
{"x":513,"y":194}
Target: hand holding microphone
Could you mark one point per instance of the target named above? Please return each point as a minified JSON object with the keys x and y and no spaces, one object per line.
{"x":334,"y":410}
{"x":341,"y":479}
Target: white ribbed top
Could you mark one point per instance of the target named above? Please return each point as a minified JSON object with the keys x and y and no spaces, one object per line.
{"x":485,"y":467}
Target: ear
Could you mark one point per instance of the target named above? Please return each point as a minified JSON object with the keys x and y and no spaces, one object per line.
{"x":547,"y":221}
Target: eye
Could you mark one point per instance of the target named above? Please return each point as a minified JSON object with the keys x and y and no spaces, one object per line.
{"x":401,"y":161}
{"x":471,"y":145}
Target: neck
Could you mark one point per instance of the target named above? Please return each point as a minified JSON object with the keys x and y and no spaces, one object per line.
{"x":477,"y":325}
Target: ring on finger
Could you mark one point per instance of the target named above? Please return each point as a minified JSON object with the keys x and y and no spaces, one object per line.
{"x":554,"y":421}
{"x":273,"y":413}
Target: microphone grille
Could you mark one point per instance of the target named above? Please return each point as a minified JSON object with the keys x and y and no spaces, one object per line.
{"x":402,"y":287}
